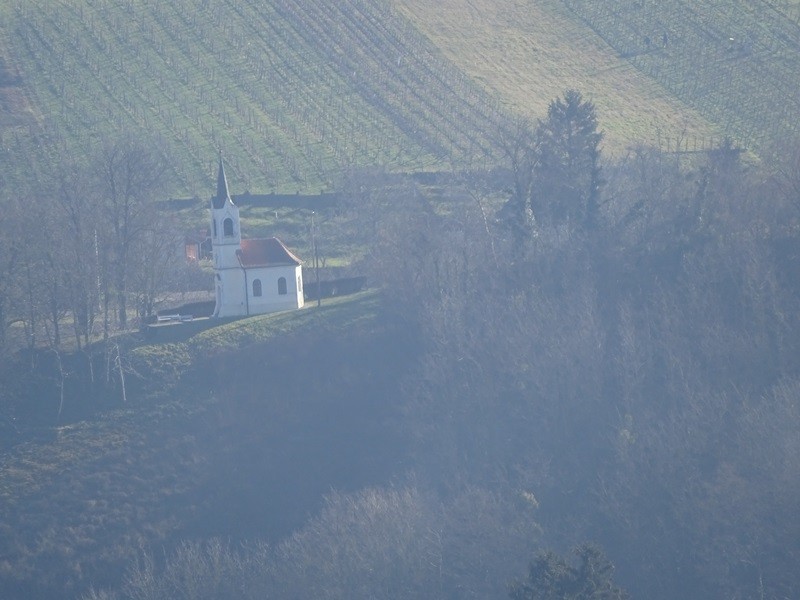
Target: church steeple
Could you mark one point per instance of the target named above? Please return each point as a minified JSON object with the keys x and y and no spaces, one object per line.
{"x":222,"y":196}
{"x":225,"y":230}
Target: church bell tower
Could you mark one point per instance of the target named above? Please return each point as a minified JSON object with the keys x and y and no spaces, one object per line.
{"x":226,"y":243}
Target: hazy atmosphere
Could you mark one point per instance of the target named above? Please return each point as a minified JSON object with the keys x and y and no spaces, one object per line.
{"x":399,"y":299}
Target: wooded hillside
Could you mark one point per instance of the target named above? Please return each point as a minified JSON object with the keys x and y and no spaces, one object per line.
{"x":582,"y":348}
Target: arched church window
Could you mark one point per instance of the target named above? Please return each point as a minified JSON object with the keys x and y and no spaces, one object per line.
{"x":214,"y":222}
{"x":282,"y":286}
{"x":256,"y":287}
{"x":227,"y":227}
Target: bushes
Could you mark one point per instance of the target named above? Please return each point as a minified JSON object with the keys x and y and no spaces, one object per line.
{"x":381,"y":543}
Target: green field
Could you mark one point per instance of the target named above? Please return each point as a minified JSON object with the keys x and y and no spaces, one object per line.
{"x":667,"y":73}
{"x":736,"y":62}
{"x":296,"y":93}
{"x":291,"y":94}
{"x":528,"y":53}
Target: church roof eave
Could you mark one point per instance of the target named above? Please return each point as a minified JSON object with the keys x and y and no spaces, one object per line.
{"x":267,"y":252}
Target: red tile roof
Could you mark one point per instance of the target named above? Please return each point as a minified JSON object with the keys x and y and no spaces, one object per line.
{"x":269,"y":252}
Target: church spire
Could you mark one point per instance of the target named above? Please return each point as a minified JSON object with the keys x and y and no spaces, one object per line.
{"x":222,"y":196}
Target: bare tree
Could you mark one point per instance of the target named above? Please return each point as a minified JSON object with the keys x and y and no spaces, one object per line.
{"x":130,"y":175}
{"x":520,"y":147}
{"x":10,"y":265}
{"x":786,"y":171}
{"x":157,"y":261}
{"x":77,"y":229}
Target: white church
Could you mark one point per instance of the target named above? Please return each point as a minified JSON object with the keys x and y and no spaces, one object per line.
{"x":251,"y":276}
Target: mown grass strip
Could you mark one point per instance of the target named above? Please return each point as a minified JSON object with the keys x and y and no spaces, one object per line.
{"x":178,"y":347}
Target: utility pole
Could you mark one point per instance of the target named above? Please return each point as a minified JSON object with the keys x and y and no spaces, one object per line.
{"x":316,"y":259}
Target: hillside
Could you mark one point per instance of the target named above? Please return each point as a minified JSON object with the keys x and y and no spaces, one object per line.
{"x":529,"y":53}
{"x":657,"y":71}
{"x":293,"y":93}
{"x":549,"y":354}
{"x":736,"y":62}
{"x":634,"y":384}
{"x":176,"y":461}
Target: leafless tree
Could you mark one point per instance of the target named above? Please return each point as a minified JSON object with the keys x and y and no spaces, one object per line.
{"x":130,"y":176}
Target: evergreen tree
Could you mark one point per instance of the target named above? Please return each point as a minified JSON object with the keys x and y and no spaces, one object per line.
{"x":567,"y":173}
{"x":551,"y":577}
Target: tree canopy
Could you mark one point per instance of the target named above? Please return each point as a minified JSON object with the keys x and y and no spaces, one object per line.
{"x":552,"y":577}
{"x":567,"y":172}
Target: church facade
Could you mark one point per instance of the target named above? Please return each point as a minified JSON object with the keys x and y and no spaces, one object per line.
{"x":251,"y":276}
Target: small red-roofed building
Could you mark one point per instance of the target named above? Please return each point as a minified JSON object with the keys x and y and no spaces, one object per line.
{"x":251,"y":276}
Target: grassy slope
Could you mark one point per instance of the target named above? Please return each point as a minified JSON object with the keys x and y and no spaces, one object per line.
{"x":291,"y":92}
{"x":82,"y":505}
{"x":295,"y":92}
{"x":737,"y":62}
{"x":530,"y":52}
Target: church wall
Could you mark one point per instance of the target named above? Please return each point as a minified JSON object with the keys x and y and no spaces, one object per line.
{"x":230,"y":288}
{"x":271,"y":300}
{"x":229,"y":285}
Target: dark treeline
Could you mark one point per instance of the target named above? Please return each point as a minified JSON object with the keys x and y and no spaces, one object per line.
{"x":603,"y":352}
{"x":621,"y":345}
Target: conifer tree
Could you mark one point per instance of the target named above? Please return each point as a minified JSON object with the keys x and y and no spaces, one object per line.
{"x":551,"y":577}
{"x":567,"y":173}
